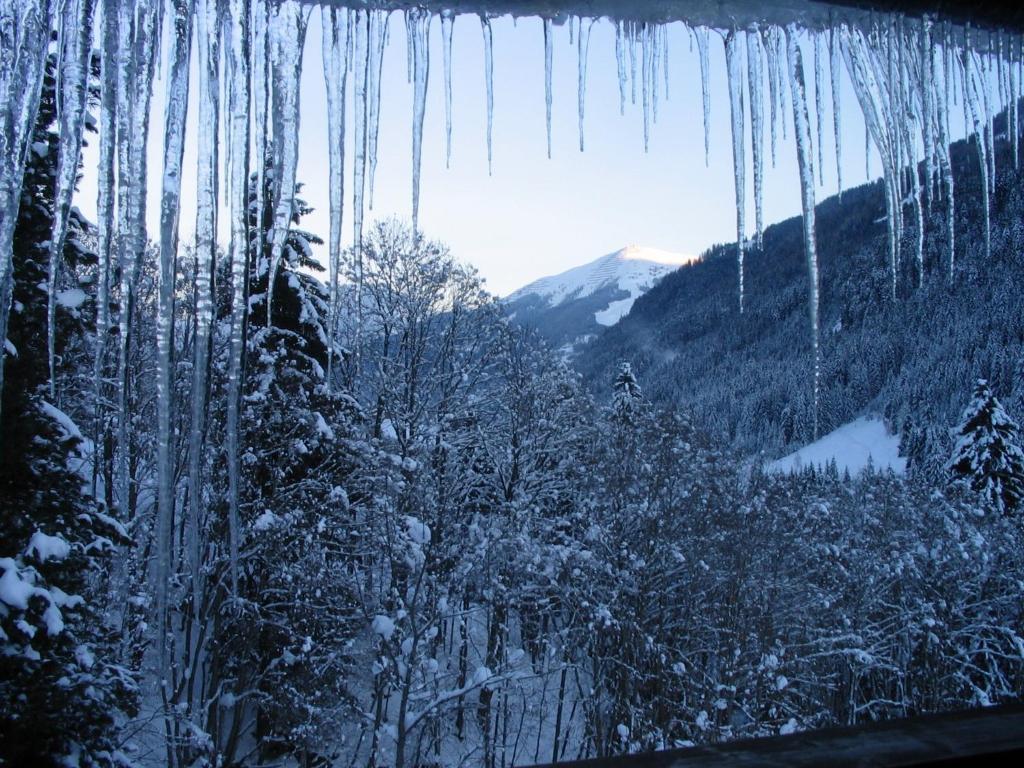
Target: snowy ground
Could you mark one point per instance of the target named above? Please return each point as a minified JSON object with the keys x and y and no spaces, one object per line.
{"x":852,"y":446}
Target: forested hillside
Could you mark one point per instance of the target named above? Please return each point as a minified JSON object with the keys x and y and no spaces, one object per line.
{"x":748,"y":378}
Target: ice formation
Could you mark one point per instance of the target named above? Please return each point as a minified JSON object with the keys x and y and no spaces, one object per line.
{"x":909,"y":76}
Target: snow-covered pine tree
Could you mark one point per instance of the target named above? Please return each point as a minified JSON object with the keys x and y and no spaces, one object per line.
{"x":62,"y":690}
{"x":988,"y":456}
{"x":282,"y":649}
{"x":626,"y":392}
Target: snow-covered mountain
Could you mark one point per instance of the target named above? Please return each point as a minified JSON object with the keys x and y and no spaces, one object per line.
{"x":574,"y":305}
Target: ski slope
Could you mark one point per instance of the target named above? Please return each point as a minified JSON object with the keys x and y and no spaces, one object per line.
{"x":852,"y":446}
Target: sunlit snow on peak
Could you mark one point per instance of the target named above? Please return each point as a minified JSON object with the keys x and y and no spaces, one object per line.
{"x":633,"y":269}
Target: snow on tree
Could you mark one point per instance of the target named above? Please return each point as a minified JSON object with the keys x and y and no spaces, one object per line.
{"x":989,"y":454}
{"x":65,"y":691}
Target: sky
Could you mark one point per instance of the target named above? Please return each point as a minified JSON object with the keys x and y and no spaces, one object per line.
{"x":537,"y":216}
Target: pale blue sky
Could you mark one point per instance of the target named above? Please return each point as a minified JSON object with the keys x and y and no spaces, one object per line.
{"x":537,"y":216}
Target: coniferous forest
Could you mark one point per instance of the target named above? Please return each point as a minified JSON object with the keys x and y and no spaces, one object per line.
{"x":402,"y":531}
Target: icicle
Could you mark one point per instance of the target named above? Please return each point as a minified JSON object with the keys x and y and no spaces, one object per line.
{"x":361,"y":64}
{"x":866,"y":76}
{"x":664,"y":56}
{"x":773,"y":87}
{"x":654,"y":52}
{"x":76,"y":45}
{"x":927,"y":95}
{"x":485,"y":25}
{"x":377,"y":41}
{"x":238,"y":76}
{"x":756,"y":84}
{"x":631,"y":37}
{"x":547,"y":79}
{"x":620,"y":65}
{"x":833,"y":62}
{"x":447,"y":22}
{"x":734,"y":70}
{"x":421,"y":72}
{"x":409,"y":55}
{"x":583,"y":46}
{"x":571,"y":19}
{"x":905,"y":121}
{"x":867,"y":152}
{"x":819,"y":112}
{"x":208,"y":48}
{"x":176,"y":113}
{"x":23,"y":34}
{"x":105,"y":226}
{"x":939,"y":73}
{"x":1014,"y":135}
{"x":705,"y":91}
{"x":261,"y":77}
{"x":805,"y":162}
{"x":783,"y":76}
{"x":892,"y":47}
{"x":287,"y":37}
{"x":973,"y":99}
{"x":335,"y":46}
{"x":645,"y":76}
{"x":138,"y":35}
{"x":983,"y":87}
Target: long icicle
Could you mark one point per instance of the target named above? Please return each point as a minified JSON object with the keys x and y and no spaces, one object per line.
{"x":645,"y":78}
{"x":819,"y":111}
{"x":335,"y":45}
{"x":547,"y":79}
{"x":421,"y":73}
{"x":140,"y":36}
{"x":939,"y":73}
{"x":773,"y":87}
{"x":833,"y":62}
{"x":74,"y":69}
{"x":175,"y":114}
{"x":927,"y":97}
{"x":485,"y":26}
{"x":447,"y":23}
{"x":208,"y":46}
{"x":105,"y":228}
{"x":288,"y":34}
{"x":973,"y":100}
{"x":805,"y":162}
{"x":583,"y":46}
{"x":620,"y":66}
{"x":376,"y":42}
{"x":756,"y":89}
{"x":705,"y":92}
{"x":21,"y":78}
{"x":361,"y":63}
{"x":734,"y":71}
{"x":871,"y":94}
{"x":238,"y":77}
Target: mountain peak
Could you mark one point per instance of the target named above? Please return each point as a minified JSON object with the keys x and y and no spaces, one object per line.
{"x":631,"y":270}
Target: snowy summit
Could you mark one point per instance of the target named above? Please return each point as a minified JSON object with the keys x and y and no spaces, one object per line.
{"x":632,"y":270}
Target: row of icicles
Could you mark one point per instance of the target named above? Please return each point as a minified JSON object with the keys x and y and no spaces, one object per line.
{"x":907,"y":75}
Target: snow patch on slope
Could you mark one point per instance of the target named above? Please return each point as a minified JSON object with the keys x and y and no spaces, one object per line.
{"x":634,"y":269}
{"x":852,"y":446}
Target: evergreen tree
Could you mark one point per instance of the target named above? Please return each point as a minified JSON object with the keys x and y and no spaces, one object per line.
{"x":626,"y":393}
{"x":988,"y":456}
{"x":283,"y":647}
{"x":63,"y":693}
